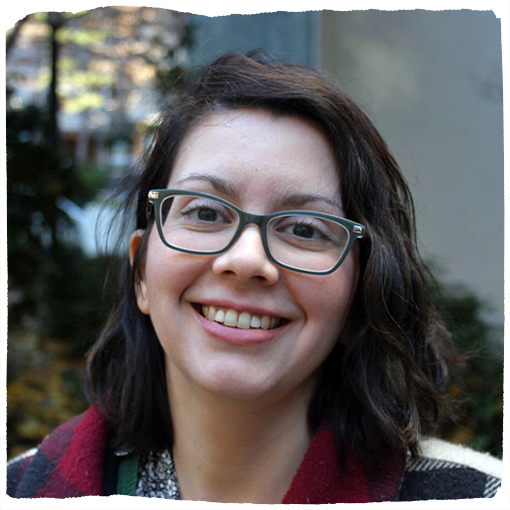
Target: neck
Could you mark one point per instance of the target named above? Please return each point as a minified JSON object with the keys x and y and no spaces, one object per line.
{"x":237,"y":451}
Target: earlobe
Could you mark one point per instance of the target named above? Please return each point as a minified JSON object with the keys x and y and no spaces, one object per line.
{"x":140,"y":284}
{"x":141,"y":297}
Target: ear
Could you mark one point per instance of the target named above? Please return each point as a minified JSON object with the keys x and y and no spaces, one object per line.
{"x":140,"y":285}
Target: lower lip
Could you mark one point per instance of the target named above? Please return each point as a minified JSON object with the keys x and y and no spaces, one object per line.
{"x":238,"y":336}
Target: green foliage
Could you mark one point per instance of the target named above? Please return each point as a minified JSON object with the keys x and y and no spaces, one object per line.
{"x":81,"y":36}
{"x":55,"y":292}
{"x":168,"y":82}
{"x":57,"y":295}
{"x":76,"y":301}
{"x":36,"y":177}
{"x":170,"y":77}
{"x":41,"y":394}
{"x":478,"y":383}
{"x":43,"y":16}
{"x":92,"y":181}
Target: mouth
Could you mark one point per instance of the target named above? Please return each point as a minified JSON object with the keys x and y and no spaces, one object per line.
{"x":239,"y":319}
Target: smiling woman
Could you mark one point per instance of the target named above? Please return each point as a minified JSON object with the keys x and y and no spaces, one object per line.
{"x":296,"y":160}
{"x":274,"y":340}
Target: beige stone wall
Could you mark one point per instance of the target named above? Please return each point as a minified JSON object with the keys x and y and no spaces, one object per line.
{"x":432,"y":83}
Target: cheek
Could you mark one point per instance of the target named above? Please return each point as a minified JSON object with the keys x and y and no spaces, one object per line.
{"x":168,"y":274}
{"x":325,"y":302}
{"x":329,"y":299}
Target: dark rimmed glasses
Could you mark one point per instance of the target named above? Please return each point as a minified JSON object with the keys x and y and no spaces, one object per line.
{"x":305,"y":241}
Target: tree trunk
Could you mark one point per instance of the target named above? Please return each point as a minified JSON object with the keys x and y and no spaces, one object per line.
{"x":55,"y":20}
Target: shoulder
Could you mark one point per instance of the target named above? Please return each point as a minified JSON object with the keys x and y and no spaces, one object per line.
{"x":449,"y":471}
{"x":56,"y":467}
{"x":16,"y":468}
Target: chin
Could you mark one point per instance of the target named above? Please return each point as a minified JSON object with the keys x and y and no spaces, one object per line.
{"x":238,"y":388}
{"x":236,"y":382}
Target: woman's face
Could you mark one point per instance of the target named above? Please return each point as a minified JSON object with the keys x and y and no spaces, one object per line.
{"x":263,"y":164}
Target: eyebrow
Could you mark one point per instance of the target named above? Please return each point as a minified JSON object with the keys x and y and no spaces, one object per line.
{"x":288,"y":198}
{"x":218,"y":183}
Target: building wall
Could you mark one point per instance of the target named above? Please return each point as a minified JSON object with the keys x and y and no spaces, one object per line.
{"x":289,"y":35}
{"x":432,"y":83}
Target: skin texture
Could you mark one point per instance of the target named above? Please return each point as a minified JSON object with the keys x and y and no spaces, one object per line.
{"x":232,"y":398}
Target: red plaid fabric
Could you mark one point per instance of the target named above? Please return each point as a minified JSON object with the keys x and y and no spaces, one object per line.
{"x":320,"y":478}
{"x":69,"y":463}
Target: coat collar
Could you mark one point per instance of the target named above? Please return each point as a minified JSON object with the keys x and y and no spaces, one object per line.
{"x":321,"y":479}
{"x":70,"y":463}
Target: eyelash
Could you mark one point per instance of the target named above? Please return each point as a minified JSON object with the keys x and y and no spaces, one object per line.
{"x":190,"y":208}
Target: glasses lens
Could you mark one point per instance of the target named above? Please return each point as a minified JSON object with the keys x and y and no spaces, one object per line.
{"x":307,"y":242}
{"x":197,"y":223}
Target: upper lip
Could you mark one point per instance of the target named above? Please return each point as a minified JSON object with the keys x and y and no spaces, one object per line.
{"x":243,"y":307}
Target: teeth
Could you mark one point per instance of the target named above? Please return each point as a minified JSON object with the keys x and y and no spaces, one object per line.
{"x":264,"y":322}
{"x":242,"y":320}
{"x":220,"y":316}
{"x":211,"y":313}
{"x":230,"y":318}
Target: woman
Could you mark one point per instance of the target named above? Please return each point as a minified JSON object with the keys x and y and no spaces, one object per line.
{"x":274,"y":340}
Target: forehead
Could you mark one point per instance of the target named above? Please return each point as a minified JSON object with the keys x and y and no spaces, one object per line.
{"x":256,"y":150}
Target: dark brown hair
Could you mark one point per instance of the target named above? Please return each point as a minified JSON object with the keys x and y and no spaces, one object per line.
{"x":383,"y":385}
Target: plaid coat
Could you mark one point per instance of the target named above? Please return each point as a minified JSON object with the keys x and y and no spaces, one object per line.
{"x":70,"y":463}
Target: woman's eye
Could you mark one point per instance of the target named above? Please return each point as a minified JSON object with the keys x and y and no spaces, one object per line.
{"x":304,"y":229}
{"x":206,"y":214}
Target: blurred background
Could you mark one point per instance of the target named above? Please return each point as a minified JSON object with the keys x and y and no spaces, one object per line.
{"x":82,"y":92}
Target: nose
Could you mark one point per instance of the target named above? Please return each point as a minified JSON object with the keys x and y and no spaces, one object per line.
{"x":247,"y":260}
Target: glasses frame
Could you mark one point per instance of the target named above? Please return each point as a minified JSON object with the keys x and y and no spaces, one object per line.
{"x":155,"y":198}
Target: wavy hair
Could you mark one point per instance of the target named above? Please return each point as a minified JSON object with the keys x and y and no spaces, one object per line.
{"x":383,"y":384}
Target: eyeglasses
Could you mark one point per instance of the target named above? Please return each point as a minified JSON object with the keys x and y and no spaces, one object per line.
{"x":303,"y":241}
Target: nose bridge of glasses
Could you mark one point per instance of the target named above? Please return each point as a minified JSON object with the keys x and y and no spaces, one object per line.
{"x":247,"y":219}
{"x":251,"y":219}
